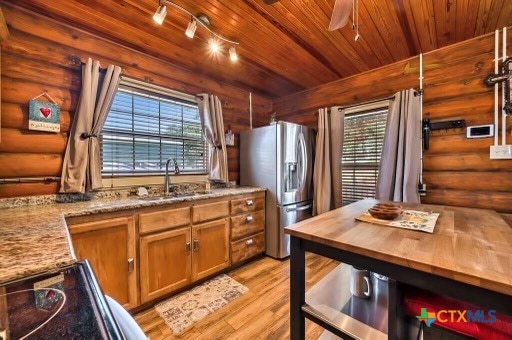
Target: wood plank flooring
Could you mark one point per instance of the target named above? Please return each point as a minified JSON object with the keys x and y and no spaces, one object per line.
{"x":261,"y":313}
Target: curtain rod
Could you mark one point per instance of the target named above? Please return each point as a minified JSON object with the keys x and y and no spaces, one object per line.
{"x":416,"y":93}
{"x":363,"y":103}
{"x":76,"y":61}
{"x":29,"y":180}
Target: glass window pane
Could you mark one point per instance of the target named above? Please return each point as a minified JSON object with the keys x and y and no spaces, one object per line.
{"x":362,"y":147}
{"x":144,"y":129}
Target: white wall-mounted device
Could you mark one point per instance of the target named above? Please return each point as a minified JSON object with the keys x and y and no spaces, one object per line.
{"x":480,"y":131}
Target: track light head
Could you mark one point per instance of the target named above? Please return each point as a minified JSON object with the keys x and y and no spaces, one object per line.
{"x":160,"y":14}
{"x":232,"y":54}
{"x":214,"y":45}
{"x":191,"y":29}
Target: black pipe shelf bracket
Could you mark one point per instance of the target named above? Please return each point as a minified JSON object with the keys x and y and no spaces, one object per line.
{"x":506,"y":78}
{"x":428,"y":126}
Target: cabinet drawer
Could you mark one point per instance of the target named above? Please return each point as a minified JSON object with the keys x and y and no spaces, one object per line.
{"x":247,"y":204}
{"x":247,"y":224}
{"x":247,"y":247}
{"x":211,"y":211}
{"x":166,"y":219}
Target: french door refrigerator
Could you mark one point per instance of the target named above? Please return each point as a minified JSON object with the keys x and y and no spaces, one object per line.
{"x":280,"y":158}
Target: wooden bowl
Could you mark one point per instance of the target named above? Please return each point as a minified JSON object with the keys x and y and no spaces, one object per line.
{"x":386,"y":211}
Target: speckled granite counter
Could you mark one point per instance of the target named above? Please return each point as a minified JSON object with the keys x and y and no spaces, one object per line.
{"x":35,"y":238}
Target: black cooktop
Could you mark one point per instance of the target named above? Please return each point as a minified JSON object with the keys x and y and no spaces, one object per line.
{"x":70,"y":299}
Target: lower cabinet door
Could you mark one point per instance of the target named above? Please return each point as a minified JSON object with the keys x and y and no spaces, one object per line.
{"x":210,"y":245}
{"x":165,"y":262}
{"x":109,"y":246}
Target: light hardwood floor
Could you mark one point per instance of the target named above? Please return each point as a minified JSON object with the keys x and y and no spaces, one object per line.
{"x":261,"y":313}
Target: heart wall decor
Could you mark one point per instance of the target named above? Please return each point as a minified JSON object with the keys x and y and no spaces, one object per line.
{"x":43,"y":116}
{"x":45,"y":111}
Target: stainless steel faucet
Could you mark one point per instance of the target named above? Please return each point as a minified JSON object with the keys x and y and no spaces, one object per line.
{"x":166,"y":179}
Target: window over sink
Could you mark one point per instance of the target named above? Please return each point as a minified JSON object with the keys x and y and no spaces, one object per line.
{"x":147,"y":125}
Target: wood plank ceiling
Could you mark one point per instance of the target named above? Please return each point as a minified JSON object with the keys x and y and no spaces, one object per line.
{"x":284,"y":47}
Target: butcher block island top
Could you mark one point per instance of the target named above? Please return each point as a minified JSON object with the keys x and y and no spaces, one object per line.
{"x":472,"y":246}
{"x":35,"y":238}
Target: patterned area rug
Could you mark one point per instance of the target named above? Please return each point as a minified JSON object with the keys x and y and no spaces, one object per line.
{"x":181,"y":311}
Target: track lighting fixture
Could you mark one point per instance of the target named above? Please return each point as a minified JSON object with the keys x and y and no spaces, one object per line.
{"x":214,"y":45}
{"x":160,"y":14}
{"x":232,"y":54}
{"x":191,"y":28}
{"x":202,"y":20}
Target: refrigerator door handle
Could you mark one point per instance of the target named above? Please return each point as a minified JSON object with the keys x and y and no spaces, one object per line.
{"x":304,"y":160}
{"x":305,"y":207}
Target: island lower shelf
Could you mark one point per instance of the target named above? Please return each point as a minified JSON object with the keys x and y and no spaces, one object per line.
{"x":330,"y":303}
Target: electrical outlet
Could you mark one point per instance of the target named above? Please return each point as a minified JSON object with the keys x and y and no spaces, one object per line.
{"x":422,"y":189}
{"x":500,"y":152}
{"x":47,"y":297}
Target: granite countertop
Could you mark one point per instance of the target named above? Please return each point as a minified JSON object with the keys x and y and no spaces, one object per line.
{"x":35,"y":239}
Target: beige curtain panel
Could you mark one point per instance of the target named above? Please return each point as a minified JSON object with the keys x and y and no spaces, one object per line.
{"x":327,"y":169}
{"x":210,"y":113}
{"x":81,"y":169}
{"x":399,"y":167}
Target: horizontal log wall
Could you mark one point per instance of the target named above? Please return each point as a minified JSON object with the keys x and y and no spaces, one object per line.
{"x":39,"y":56}
{"x":457,"y":170}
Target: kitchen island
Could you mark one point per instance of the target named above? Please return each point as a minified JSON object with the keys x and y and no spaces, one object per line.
{"x":467,"y":257}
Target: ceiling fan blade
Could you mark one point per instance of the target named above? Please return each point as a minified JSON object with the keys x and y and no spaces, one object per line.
{"x":340,"y":14}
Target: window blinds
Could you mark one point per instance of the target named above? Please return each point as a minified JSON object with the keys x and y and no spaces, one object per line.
{"x":145,"y":127}
{"x":362,"y":146}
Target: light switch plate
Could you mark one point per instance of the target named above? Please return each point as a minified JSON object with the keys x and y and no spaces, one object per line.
{"x":501,"y":152}
{"x":45,"y":297}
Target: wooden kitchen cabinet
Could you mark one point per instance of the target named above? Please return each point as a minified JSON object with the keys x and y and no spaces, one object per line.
{"x":247,"y":227}
{"x":109,"y":246}
{"x":210,"y":244}
{"x":176,"y":250}
{"x":165,"y":262}
{"x":169,"y":247}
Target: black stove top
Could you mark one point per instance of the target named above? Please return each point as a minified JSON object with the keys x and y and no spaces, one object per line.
{"x":68,"y":304}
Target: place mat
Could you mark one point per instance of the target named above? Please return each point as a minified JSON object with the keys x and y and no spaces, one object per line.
{"x":181,"y":311}
{"x":409,"y":219}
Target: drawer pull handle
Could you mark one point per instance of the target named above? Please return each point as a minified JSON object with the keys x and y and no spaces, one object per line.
{"x":249,"y":219}
{"x":131,"y":265}
{"x":187,"y":247}
{"x":249,"y":203}
{"x":196,"y":245}
{"x":249,"y":242}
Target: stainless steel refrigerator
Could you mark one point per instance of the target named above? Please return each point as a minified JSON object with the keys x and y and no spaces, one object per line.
{"x":280,"y":158}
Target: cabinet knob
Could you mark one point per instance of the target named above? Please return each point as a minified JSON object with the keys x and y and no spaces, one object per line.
{"x":249,"y":219}
{"x":249,"y":242}
{"x":196,"y":245}
{"x":187,"y":247}
{"x":249,"y":203}
{"x":131,"y":265}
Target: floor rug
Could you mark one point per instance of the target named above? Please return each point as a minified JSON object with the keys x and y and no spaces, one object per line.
{"x":181,"y":311}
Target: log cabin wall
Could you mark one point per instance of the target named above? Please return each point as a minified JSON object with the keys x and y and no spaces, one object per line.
{"x":42,"y":54}
{"x":457,"y":170}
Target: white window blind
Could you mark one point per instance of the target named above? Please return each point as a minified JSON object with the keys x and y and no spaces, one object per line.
{"x":362,"y":147}
{"x":145,"y":127}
